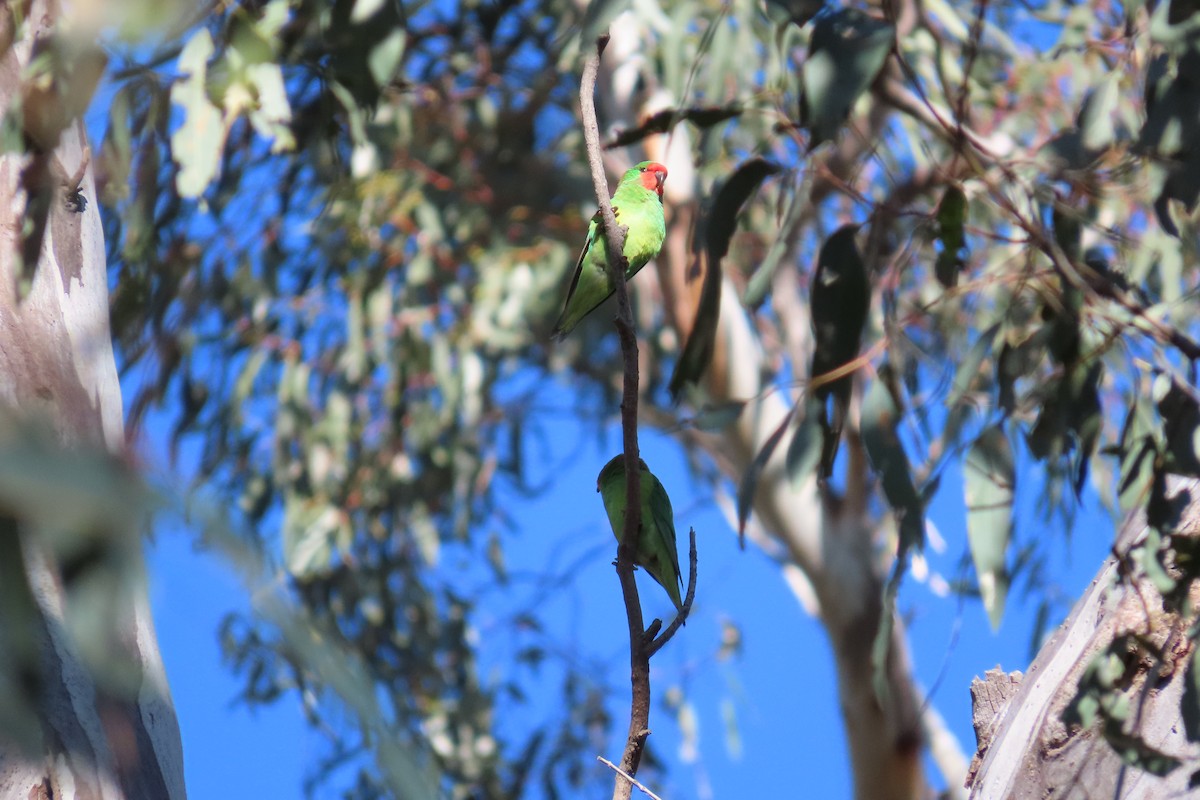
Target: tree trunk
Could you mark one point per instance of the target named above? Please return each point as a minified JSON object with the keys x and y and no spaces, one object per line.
{"x":80,"y":738}
{"x":1025,"y":749}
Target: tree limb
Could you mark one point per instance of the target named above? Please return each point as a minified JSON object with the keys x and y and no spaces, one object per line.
{"x":639,"y":657}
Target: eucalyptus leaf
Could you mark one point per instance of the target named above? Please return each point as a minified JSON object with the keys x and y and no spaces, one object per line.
{"x":804,"y":450}
{"x":1096,"y":114}
{"x":968,"y":368}
{"x":797,"y":12}
{"x":386,"y":56}
{"x":846,"y":52}
{"x":196,"y":145}
{"x":989,"y":481}
{"x":1138,"y":450}
{"x":308,"y":534}
{"x":720,"y":223}
{"x":365,"y":9}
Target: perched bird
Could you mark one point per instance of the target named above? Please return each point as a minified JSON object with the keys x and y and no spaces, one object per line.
{"x":637,"y":204}
{"x":656,"y":545}
{"x":840,"y":297}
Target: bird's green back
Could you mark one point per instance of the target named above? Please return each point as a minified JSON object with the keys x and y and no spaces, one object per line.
{"x":640,"y":210}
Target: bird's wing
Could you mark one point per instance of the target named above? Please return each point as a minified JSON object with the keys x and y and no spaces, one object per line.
{"x":587,"y":245}
{"x":664,"y":520}
{"x":594,"y":230}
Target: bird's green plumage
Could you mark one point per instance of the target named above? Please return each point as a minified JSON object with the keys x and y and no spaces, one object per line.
{"x":637,"y":207}
{"x":656,"y":551}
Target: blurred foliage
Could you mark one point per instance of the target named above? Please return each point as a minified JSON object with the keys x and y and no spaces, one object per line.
{"x":335,"y":229}
{"x":70,"y":518}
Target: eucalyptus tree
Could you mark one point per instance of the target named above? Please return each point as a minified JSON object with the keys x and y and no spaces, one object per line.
{"x":360,"y":218}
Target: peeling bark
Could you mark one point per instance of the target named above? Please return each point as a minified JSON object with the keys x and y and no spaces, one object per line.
{"x":1033,"y":754}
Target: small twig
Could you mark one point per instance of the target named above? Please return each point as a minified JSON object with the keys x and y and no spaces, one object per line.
{"x":627,"y":776}
{"x":654,"y":645}
{"x":639,"y":660}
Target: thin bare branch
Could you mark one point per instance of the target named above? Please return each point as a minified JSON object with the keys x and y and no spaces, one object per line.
{"x":639,"y":659}
{"x":656,"y":644}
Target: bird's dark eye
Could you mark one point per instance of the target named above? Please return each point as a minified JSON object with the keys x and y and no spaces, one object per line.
{"x":643,"y":169}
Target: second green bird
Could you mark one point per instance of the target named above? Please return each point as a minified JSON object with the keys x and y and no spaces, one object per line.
{"x":656,"y":551}
{"x":637,"y":204}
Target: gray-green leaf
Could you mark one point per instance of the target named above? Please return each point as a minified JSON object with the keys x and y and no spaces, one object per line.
{"x":846,"y":53}
{"x":990,"y":482}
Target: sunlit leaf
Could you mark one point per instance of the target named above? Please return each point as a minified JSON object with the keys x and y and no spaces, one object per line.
{"x":385,"y":57}
{"x":1180,"y":412}
{"x":196,"y":145}
{"x":1138,"y":451}
{"x":881,"y":414}
{"x":272,"y":113}
{"x":308,"y":532}
{"x":365,"y":9}
{"x":718,"y":417}
{"x":1174,"y":23}
{"x":749,"y":483}
{"x":1096,"y":115}
{"x":989,"y":480}
{"x":689,"y":730}
{"x":760,"y":282}
{"x":733,"y":738}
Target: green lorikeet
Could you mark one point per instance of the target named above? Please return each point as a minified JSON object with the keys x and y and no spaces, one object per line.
{"x":656,"y":545}
{"x":637,"y":204}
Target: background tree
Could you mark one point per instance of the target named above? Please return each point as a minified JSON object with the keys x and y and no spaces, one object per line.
{"x":340,"y":234}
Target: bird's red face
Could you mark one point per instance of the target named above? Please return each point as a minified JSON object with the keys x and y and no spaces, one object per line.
{"x":653,"y":177}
